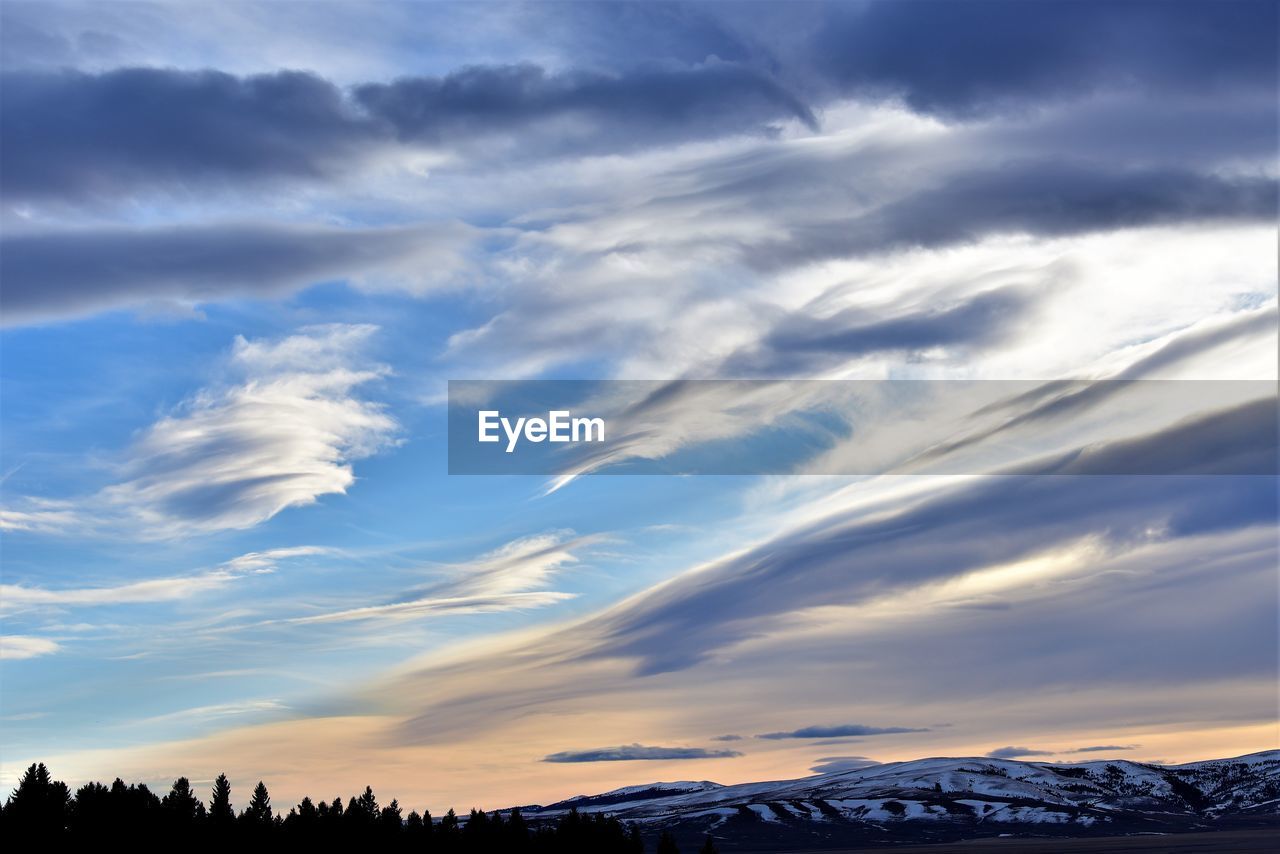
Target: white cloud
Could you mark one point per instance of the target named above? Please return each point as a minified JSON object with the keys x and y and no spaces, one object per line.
{"x":428,"y":607}
{"x":14,"y":597}
{"x":15,"y":647}
{"x":281,"y":435}
{"x":219,"y":711}
{"x":504,"y":579}
{"x":39,"y":516}
{"x":282,"y":430}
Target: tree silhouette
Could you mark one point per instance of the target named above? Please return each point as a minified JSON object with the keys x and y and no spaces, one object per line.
{"x":258,"y":813}
{"x":41,"y":812}
{"x":368,"y":804}
{"x":667,"y":843}
{"x":91,"y":810}
{"x":389,"y":819}
{"x":181,"y":806}
{"x":220,"y":813}
{"x":709,"y":846}
{"x":38,"y":803}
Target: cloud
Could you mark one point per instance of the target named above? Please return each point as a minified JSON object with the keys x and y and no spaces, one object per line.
{"x":627,"y":753}
{"x":727,"y":738}
{"x":219,"y":711}
{"x":1046,"y":198}
{"x":658,"y":78}
{"x":168,"y":589}
{"x":17,"y":647}
{"x":839,"y":731}
{"x":1104,"y":748}
{"x":70,"y":273}
{"x":955,"y":531}
{"x":502,"y":580}
{"x":38,"y":515}
{"x":418,"y":608}
{"x":76,"y":135}
{"x":156,"y":126}
{"x":645,"y":104}
{"x":283,"y":435}
{"x":962,"y":59}
{"x":1014,"y":752}
{"x":836,"y":764}
{"x":803,"y":342}
{"x":281,"y":431}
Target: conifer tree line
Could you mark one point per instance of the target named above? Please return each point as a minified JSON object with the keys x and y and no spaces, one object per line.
{"x":44,"y":810}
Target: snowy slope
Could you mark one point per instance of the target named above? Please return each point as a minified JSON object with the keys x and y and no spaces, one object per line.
{"x":954,"y":798}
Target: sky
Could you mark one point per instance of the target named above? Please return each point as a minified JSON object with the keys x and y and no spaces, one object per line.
{"x":244,"y":250}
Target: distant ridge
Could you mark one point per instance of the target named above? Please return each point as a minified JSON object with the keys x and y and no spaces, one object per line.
{"x":946,"y":799}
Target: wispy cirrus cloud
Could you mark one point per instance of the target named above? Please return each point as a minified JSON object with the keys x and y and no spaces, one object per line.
{"x":439,"y":606}
{"x":836,"y":764}
{"x":502,"y":580}
{"x":283,"y":430}
{"x":39,"y":515}
{"x":15,"y":597}
{"x":19,"y":647}
{"x":282,"y":436}
{"x":631,"y":752}
{"x":219,"y":712}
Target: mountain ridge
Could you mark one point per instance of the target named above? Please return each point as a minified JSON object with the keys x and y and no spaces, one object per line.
{"x":950,"y":798}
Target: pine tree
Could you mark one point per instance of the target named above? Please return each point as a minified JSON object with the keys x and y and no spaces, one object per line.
{"x":709,"y":847}
{"x":180,"y":804}
{"x":91,"y":810}
{"x":667,"y":843}
{"x":390,"y":817}
{"x":39,"y":804}
{"x":364,"y":810}
{"x":517,"y":828}
{"x":307,"y":814}
{"x":220,"y":813}
{"x":258,"y":813}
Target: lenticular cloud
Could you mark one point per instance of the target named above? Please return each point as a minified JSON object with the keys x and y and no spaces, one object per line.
{"x":285,"y":432}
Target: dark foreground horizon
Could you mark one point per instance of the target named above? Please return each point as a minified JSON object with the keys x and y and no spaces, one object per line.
{"x":957,"y":805}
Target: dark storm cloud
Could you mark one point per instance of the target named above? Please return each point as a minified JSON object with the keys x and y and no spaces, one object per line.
{"x":799,"y":343}
{"x":1014,"y":752}
{"x":961,"y":59}
{"x":1240,"y":440}
{"x":838,"y":731}
{"x":629,"y":752}
{"x":1046,"y":198}
{"x":70,"y":134}
{"x":999,"y":520}
{"x":659,"y":74}
{"x":77,"y":272}
{"x":656,"y":103}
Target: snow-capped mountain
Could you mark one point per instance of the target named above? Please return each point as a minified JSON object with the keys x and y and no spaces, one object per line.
{"x":946,"y":799}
